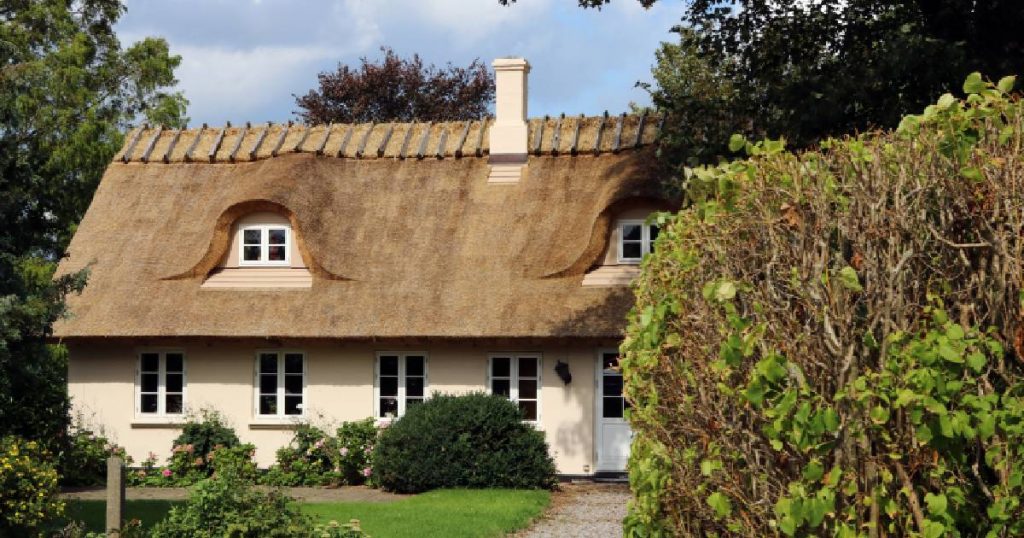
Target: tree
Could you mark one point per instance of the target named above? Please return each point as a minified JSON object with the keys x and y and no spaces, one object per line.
{"x":67,"y":90}
{"x":398,"y":89}
{"x":805,"y":70}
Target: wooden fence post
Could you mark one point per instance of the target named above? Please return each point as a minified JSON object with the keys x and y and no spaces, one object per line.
{"x":115,"y":496}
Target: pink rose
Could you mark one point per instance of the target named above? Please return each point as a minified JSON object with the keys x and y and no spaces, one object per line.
{"x":344,"y":451}
{"x":167,"y":473}
{"x":367,"y":472}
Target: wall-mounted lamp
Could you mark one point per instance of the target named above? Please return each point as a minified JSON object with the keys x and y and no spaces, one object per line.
{"x":562,"y":369}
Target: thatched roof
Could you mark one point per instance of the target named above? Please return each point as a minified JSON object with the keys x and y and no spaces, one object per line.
{"x":399,"y":247}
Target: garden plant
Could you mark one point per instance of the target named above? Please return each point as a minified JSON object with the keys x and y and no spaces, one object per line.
{"x":831,"y":343}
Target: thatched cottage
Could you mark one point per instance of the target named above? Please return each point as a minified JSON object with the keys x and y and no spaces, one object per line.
{"x":282,"y":273}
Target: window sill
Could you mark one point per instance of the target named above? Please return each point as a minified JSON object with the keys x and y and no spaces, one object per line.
{"x":612,"y":275}
{"x":158,"y":422}
{"x":276,"y":423}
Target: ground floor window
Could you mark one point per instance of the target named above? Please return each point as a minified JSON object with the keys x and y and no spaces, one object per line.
{"x":401,"y":382}
{"x":614,"y":404}
{"x":160,"y":383}
{"x":280,"y":383}
{"x":517,"y":377}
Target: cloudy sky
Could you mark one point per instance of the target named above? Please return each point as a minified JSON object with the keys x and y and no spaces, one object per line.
{"x":243,"y":59}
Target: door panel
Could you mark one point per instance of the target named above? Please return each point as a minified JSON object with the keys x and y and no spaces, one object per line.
{"x":613,"y":431}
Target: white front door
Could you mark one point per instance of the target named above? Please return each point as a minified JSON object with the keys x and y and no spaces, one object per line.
{"x":613,"y":431}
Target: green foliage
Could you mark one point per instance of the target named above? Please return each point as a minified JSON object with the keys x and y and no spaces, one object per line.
{"x":199,"y":437}
{"x":309,"y":460}
{"x":28,"y":487}
{"x":228,"y":505}
{"x":355,"y":442}
{"x":67,"y":89}
{"x":476,"y":440}
{"x":831,"y":342}
{"x":84,"y":460}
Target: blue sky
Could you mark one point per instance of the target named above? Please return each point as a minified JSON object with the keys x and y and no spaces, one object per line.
{"x":242,"y":60}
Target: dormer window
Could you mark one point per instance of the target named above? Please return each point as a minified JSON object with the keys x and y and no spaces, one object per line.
{"x":635,"y":240}
{"x":264,"y":245}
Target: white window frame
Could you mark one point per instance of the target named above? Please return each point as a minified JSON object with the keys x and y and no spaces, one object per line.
{"x":264,"y":245}
{"x":646,"y":244}
{"x":280,"y":392}
{"x":402,"y":399}
{"x":161,"y":394}
{"x":514,"y":378}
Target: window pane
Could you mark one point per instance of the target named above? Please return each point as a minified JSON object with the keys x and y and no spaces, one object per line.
{"x":268,"y":363}
{"x":414,"y":365}
{"x":293,"y":384}
{"x":528,"y":388}
{"x":174,"y":403}
{"x":175,"y":382}
{"x":528,"y":367}
{"x":632,"y":250}
{"x":268,"y":405}
{"x":609,"y":361}
{"x":251,"y":254}
{"x":251,"y":237}
{"x":409,"y":402}
{"x":149,"y":403}
{"x":529,"y":410}
{"x":275,"y":254}
{"x":175,"y":362}
{"x":389,"y":386}
{"x":150,"y":382}
{"x":293,"y":363}
{"x":388,"y":406}
{"x":500,"y":387}
{"x":632,"y":232}
{"x":389,"y":365}
{"x":268,"y":384}
{"x":612,"y":385}
{"x":654,"y":234}
{"x":277,"y":236}
{"x":500,"y":366}
{"x":414,"y":386}
{"x":612,"y":408}
{"x":293,"y":405}
{"x":150,"y":362}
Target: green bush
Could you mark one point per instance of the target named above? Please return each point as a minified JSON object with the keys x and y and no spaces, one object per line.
{"x":84,"y":460}
{"x":476,"y":440}
{"x":28,"y":487}
{"x":307,"y":461}
{"x":198,"y":438}
{"x":228,"y":505}
{"x":831,"y":343}
{"x":355,"y":442}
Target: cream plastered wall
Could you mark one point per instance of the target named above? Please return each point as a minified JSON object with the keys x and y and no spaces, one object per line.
{"x":339,"y":387}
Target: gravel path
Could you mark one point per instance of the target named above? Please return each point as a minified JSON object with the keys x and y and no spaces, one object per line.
{"x":584,"y":510}
{"x":343,"y":494}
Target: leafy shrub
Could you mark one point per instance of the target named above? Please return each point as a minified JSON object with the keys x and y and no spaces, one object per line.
{"x":28,"y":487}
{"x":355,"y":442}
{"x":307,"y":461}
{"x":228,"y":505}
{"x":832,"y":341}
{"x":199,"y":437}
{"x":475,"y":440}
{"x":84,"y":460}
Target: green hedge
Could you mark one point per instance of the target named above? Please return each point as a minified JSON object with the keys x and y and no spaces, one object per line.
{"x":829,"y":343}
{"x":475,"y":440}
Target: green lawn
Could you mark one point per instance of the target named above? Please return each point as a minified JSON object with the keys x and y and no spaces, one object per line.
{"x":450,"y":513}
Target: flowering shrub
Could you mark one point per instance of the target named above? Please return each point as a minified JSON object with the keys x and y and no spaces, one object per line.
{"x":355,"y":441}
{"x":28,"y":487}
{"x":200,"y":436}
{"x":185,"y":467}
{"x":307,"y":461}
{"x":84,"y":461}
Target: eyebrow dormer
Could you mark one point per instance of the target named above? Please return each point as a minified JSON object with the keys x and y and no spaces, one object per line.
{"x":630,"y":238}
{"x":263,"y":253}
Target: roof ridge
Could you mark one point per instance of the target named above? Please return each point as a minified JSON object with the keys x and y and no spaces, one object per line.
{"x":593,"y":135}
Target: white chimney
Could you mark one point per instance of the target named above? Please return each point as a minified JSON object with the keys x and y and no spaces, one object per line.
{"x":509,"y":132}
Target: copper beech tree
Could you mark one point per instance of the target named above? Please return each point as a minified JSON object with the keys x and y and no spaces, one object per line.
{"x":398,"y":89}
